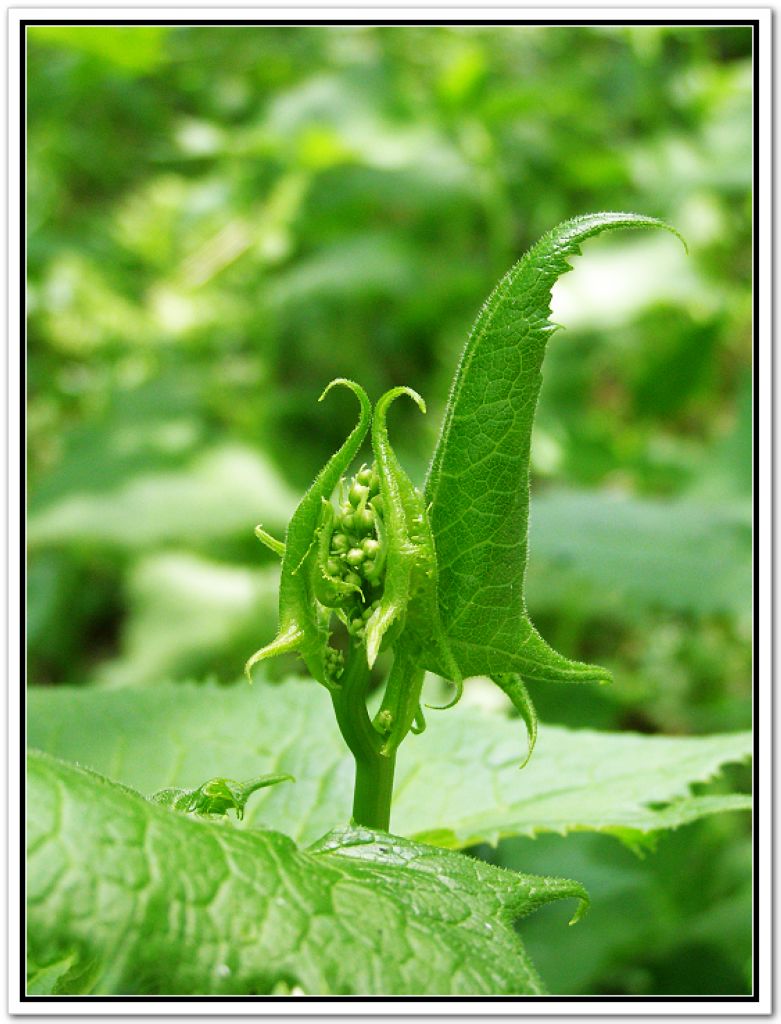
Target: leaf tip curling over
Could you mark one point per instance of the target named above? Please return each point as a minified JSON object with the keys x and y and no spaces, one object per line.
{"x":459,"y":693}
{"x":283,"y":643}
{"x":345,"y":382}
{"x":581,"y":910}
{"x":485,"y":552}
{"x":391,"y":395}
{"x":265,"y":538}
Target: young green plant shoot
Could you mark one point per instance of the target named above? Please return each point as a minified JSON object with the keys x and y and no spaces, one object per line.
{"x":173,"y":895}
{"x":435,"y":577}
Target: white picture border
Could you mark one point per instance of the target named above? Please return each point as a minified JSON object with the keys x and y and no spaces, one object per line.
{"x":763,"y":535}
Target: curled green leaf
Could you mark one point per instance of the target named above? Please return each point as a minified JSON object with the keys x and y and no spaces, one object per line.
{"x":217,"y":796}
{"x":457,"y":695}
{"x":410,"y":592}
{"x":513,"y":686}
{"x":286,"y":641}
{"x":303,"y":621}
{"x":277,"y":546}
{"x":419,"y":722}
{"x":407,"y":614}
{"x":398,"y":503}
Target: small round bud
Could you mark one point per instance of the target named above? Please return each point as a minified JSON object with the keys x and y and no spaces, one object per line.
{"x":353,"y":579}
{"x":371,"y":546}
{"x":364,"y":519}
{"x":354,"y":556}
{"x":333,"y":567}
{"x":367,"y":614}
{"x":368,"y":568}
{"x":348,"y":521}
{"x":384,"y":721}
{"x":358,"y":495}
{"x":334,"y":661}
{"x":364,"y":476}
{"x":339,"y":543}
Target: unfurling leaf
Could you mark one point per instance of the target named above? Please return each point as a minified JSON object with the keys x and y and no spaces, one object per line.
{"x":409,"y":603}
{"x":439,"y":578}
{"x":217,"y":796}
{"x":478,"y":481}
{"x":303,"y":623}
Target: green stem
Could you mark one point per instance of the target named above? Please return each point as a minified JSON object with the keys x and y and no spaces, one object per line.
{"x":374,"y":791}
{"x":373,"y":770}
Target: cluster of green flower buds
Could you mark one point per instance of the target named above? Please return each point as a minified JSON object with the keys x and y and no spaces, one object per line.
{"x":356,"y":553}
{"x":366,"y":557}
{"x":334,"y":662}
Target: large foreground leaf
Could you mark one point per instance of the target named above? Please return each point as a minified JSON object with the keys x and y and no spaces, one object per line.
{"x":457,"y":784}
{"x":129,"y":897}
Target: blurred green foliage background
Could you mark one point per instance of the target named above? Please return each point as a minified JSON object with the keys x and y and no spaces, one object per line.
{"x":221,"y":220}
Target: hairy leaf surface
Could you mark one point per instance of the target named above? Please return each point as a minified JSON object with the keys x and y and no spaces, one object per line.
{"x":457,"y":783}
{"x":478,"y":482}
{"x":144,"y":899}
{"x":303,"y":627}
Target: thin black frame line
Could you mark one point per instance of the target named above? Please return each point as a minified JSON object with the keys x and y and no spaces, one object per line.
{"x":285,"y":23}
{"x":23,"y":505}
{"x":756,"y":824}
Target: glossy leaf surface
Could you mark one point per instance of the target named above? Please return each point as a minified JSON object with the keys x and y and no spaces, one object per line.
{"x":200,"y":906}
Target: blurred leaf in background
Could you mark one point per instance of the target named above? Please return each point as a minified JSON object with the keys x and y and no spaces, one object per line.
{"x":223,"y":219}
{"x":651,"y":930}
